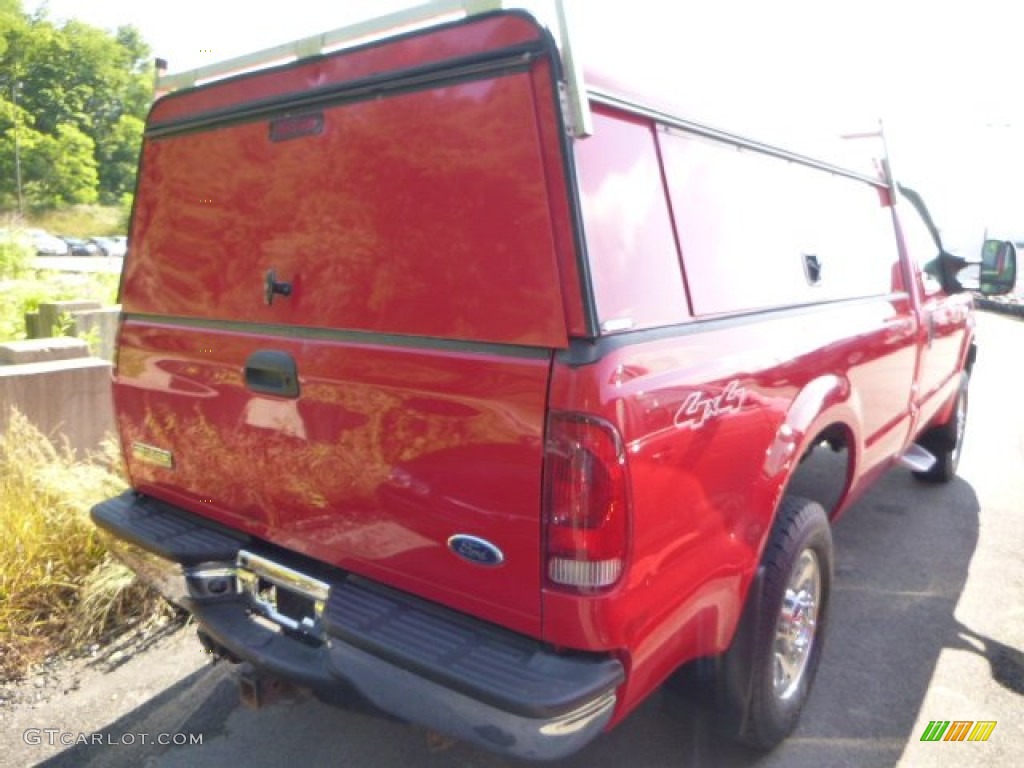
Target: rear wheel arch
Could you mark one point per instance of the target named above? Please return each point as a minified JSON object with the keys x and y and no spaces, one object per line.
{"x":759,"y":685}
{"x":827,"y":405}
{"x":824,"y":413}
{"x":803,"y":480}
{"x":833,"y":431}
{"x":827,"y":411}
{"x":840,"y":436}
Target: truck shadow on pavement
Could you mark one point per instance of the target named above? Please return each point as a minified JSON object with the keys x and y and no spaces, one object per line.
{"x":1006,"y":662}
{"x":903,"y":554}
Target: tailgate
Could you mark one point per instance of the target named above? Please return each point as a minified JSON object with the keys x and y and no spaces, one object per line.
{"x":339,"y":321}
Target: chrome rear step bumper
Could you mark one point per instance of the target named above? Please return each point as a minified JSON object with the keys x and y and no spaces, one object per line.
{"x":475,"y":681}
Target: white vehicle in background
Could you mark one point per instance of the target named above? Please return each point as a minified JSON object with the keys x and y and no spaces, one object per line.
{"x":46,"y":244}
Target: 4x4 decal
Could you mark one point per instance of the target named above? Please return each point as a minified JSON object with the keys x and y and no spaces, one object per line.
{"x":698,"y":408}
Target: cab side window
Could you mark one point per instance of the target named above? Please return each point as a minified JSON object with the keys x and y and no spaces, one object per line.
{"x":921,"y":246}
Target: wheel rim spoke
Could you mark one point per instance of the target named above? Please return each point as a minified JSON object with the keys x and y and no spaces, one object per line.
{"x":796,"y":625}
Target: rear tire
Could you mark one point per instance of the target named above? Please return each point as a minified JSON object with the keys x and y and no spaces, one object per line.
{"x":946,"y":442}
{"x":760,"y":684}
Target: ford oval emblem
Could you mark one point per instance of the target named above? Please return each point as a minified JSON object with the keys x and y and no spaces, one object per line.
{"x":476,"y":550}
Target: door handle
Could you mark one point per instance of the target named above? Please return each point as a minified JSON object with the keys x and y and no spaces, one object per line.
{"x":273,"y":373}
{"x":272,"y":287}
{"x":812,"y":268}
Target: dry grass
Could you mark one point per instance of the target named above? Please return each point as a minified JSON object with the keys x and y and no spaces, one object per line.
{"x":58,"y":587}
{"x":80,"y":220}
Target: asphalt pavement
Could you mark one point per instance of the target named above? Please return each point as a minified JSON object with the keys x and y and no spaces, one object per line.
{"x":927,"y":624}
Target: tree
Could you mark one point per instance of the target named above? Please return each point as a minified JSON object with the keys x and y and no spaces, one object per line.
{"x":61,"y":169}
{"x":117,"y":151}
{"x":81,"y":95}
{"x":16,"y":134}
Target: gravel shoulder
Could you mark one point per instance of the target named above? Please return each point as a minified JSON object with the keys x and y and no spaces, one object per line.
{"x":75,"y":696}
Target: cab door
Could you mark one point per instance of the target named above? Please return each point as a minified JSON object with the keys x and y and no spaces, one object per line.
{"x":943,"y":316}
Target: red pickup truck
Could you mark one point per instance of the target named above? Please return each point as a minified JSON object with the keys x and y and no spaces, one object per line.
{"x":465,"y":374}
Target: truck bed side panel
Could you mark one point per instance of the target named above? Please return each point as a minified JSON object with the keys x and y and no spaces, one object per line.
{"x":704,"y":487}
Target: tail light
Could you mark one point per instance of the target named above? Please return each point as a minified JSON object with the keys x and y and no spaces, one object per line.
{"x":586,"y":503}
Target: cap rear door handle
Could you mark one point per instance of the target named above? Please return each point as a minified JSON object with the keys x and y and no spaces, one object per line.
{"x":272,"y":372}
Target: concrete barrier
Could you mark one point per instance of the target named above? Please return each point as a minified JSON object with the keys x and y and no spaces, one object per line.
{"x":100,"y":324}
{"x":65,"y":399}
{"x":85,"y":318}
{"x":69,"y":400}
{"x":42,"y":350}
{"x":53,"y":313}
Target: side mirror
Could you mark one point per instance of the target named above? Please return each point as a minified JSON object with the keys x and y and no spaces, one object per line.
{"x":946,"y":268}
{"x":998,"y":267}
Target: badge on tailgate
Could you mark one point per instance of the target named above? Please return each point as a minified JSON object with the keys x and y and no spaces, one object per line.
{"x":150,"y":454}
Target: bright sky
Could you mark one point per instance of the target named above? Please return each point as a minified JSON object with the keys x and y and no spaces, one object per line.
{"x":945,"y":76}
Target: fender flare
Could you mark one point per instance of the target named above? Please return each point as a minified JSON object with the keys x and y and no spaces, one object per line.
{"x":824,"y":401}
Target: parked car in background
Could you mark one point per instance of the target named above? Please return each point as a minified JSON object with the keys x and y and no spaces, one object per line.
{"x":111,"y":246}
{"x":46,"y":244}
{"x":79,"y":247}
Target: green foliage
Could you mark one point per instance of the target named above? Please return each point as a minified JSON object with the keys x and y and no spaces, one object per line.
{"x":118,"y":155}
{"x":19,"y":297}
{"x":93,"y":339}
{"x":125,"y":213}
{"x":26,"y":294}
{"x":17,"y":140}
{"x":64,"y":325}
{"x":15,"y":256}
{"x":81,"y":95}
{"x":60,"y":169}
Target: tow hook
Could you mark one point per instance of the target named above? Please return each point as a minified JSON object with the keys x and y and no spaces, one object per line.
{"x":257,"y":689}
